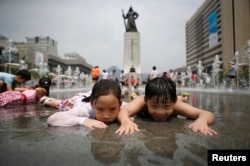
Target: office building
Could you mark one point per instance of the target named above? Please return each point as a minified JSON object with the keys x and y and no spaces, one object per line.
{"x":218,"y":27}
{"x":46,"y":44}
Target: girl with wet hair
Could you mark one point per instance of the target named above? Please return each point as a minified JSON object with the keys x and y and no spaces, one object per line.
{"x":44,"y":82}
{"x":160,"y":103}
{"x":94,"y":109}
{"x":104,"y":88}
{"x":22,"y":96}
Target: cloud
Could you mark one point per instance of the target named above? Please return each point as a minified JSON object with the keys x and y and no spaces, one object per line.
{"x":95,"y":28}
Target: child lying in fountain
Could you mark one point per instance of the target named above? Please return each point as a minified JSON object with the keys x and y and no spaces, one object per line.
{"x":22,"y":96}
{"x":94,"y":111}
{"x":82,"y":108}
{"x":160,"y":102}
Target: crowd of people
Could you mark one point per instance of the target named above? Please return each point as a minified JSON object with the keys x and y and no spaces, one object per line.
{"x":204,"y":80}
{"x":124,"y":81}
{"x":103,"y":104}
{"x":176,"y":77}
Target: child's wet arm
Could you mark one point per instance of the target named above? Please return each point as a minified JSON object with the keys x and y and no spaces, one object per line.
{"x":209,"y":116}
{"x":186,"y":110}
{"x":123,"y":115}
{"x":131,"y":109}
{"x":191,"y":112}
{"x":20,"y":89}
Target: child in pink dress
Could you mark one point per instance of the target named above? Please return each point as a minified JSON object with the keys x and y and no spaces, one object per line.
{"x":22,"y":96}
{"x":67,"y":104}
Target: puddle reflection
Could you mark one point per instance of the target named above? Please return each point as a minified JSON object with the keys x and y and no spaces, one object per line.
{"x":24,"y":132}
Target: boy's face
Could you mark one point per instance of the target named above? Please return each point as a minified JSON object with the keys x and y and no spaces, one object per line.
{"x":160,"y":110}
{"x":106,"y":108}
{"x":19,"y":80}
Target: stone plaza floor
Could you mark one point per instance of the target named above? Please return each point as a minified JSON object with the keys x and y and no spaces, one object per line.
{"x":26,"y":139}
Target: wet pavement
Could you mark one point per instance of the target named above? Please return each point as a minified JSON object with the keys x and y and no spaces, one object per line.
{"x":26,"y":139}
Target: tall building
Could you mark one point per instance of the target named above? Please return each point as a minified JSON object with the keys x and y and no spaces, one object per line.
{"x":218,"y":27}
{"x":46,"y":43}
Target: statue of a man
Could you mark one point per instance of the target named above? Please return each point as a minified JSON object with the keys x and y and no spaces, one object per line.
{"x":131,"y":16}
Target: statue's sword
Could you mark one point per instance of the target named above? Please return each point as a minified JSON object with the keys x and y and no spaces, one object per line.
{"x":124,"y":20}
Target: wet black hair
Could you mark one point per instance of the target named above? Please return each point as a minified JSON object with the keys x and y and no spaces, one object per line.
{"x":103,"y":88}
{"x":162,"y":87}
{"x":45,"y":83}
{"x":25,"y":74}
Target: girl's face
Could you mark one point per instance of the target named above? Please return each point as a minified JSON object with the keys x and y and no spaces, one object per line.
{"x":160,"y":110}
{"x":106,"y":108}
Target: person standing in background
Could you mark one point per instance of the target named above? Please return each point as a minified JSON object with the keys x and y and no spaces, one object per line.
{"x":154,"y":73}
{"x":232,"y":74}
{"x":104,"y":75}
{"x":111,"y":76}
{"x":164,"y":74}
{"x":95,"y":73}
{"x":179,"y":80}
{"x":194,"y":79}
{"x":132,"y":81}
{"x":122,"y":78}
{"x":171,"y":74}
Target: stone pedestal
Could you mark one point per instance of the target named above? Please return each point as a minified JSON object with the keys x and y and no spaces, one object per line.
{"x":132,"y":52}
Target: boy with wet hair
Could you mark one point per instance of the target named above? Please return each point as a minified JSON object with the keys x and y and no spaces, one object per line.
{"x":161,"y":102}
{"x":8,"y":81}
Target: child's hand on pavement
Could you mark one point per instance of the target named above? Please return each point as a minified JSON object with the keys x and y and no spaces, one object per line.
{"x":200,"y":125}
{"x":127,"y":127}
{"x":92,"y":123}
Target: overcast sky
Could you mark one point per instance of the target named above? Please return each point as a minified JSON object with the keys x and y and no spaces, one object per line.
{"x":95,"y":28}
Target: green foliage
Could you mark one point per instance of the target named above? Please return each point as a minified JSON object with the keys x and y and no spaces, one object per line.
{"x":34,"y":74}
{"x":243,"y":72}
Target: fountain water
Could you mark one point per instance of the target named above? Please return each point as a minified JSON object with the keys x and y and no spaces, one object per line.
{"x":76,"y":76}
{"x":89,"y":79}
{"x":11,"y":53}
{"x":58,"y":73}
{"x":43,"y":69}
{"x":215,"y":70}
{"x":199,"y":72}
{"x":68,"y":74}
{"x":243,"y":81}
{"x":82,"y":79}
{"x":236,"y":57}
{"x":247,"y":53}
{"x":23,"y":65}
{"x":189,"y":73}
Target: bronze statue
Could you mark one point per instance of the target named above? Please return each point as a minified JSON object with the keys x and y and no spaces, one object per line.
{"x":131,"y":16}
